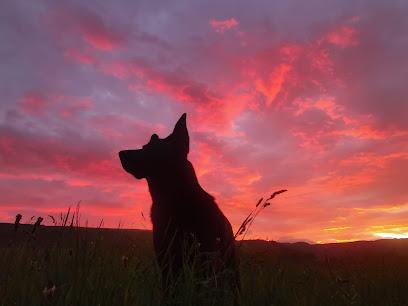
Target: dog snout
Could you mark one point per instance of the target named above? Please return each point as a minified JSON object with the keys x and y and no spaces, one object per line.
{"x":125,"y":157}
{"x":129,"y":155}
{"x":122,"y":155}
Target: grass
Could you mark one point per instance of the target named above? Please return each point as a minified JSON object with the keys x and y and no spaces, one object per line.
{"x":88,"y":267}
{"x":71,"y":265}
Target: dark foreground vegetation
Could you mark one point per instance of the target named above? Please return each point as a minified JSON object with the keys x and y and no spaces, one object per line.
{"x":96,"y":266}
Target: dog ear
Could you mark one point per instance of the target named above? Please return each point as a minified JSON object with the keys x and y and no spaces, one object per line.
{"x":180,"y":134}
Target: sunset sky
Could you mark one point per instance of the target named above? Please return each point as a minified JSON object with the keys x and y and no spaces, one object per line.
{"x":309,"y":96}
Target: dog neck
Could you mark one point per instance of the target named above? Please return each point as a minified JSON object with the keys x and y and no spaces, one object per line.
{"x":175,"y":184}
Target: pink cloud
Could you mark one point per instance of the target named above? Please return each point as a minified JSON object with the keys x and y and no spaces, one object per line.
{"x":123,"y":70}
{"x":38,"y":103}
{"x":221,"y":26}
{"x":85,"y":58}
{"x":98,"y":35}
{"x":273,"y":86}
{"x":115,"y":128}
{"x":180,"y":88}
{"x":343,"y":37}
{"x":33,"y":103}
{"x":42,"y":157}
{"x":76,"y":106}
{"x":68,"y":22}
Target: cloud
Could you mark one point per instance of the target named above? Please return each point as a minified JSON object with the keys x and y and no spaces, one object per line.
{"x":272,"y":88}
{"x":98,"y":35}
{"x":33,"y":103}
{"x":39,"y":103}
{"x":76,"y":106}
{"x":117,"y":128}
{"x":69,"y":21}
{"x":81,"y":57}
{"x":221,"y":26}
{"x":27,"y":155}
{"x":344,"y":37}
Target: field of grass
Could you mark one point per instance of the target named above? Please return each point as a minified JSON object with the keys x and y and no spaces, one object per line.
{"x":96,"y":266}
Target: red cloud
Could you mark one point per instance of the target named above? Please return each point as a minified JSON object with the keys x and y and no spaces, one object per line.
{"x":273,"y":86}
{"x":174,"y":85}
{"x":67,"y":23}
{"x":27,"y":156}
{"x":76,"y":106}
{"x":123,"y":70}
{"x":98,"y":35}
{"x":84,"y":58}
{"x":221,"y":26}
{"x":343,"y":37}
{"x":33,"y":103}
{"x":180,"y":88}
{"x":116,"y":128}
{"x":38,"y":103}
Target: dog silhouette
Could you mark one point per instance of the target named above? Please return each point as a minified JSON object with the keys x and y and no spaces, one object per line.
{"x":182,"y":213}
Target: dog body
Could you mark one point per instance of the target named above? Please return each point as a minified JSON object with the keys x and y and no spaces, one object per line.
{"x":182,"y":212}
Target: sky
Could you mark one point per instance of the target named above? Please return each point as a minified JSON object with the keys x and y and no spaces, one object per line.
{"x":308,"y":96}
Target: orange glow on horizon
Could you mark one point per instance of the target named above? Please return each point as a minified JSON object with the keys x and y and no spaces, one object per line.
{"x":344,"y":240}
{"x":336,"y":228}
{"x":392,"y":235}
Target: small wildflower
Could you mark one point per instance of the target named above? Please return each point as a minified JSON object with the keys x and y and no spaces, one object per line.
{"x":125,"y":261}
{"x":49,"y":289}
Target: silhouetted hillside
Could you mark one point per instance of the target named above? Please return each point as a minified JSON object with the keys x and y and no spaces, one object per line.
{"x":300,"y":252}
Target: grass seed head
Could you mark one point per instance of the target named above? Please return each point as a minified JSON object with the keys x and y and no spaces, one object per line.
{"x":259,"y":202}
{"x":276,"y":193}
{"x":53,"y":219}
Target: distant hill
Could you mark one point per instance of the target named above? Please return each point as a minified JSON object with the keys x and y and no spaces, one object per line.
{"x":303,"y":251}
{"x":294,"y":252}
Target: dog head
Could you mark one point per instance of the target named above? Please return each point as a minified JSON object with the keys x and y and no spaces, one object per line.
{"x":158,"y":154}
